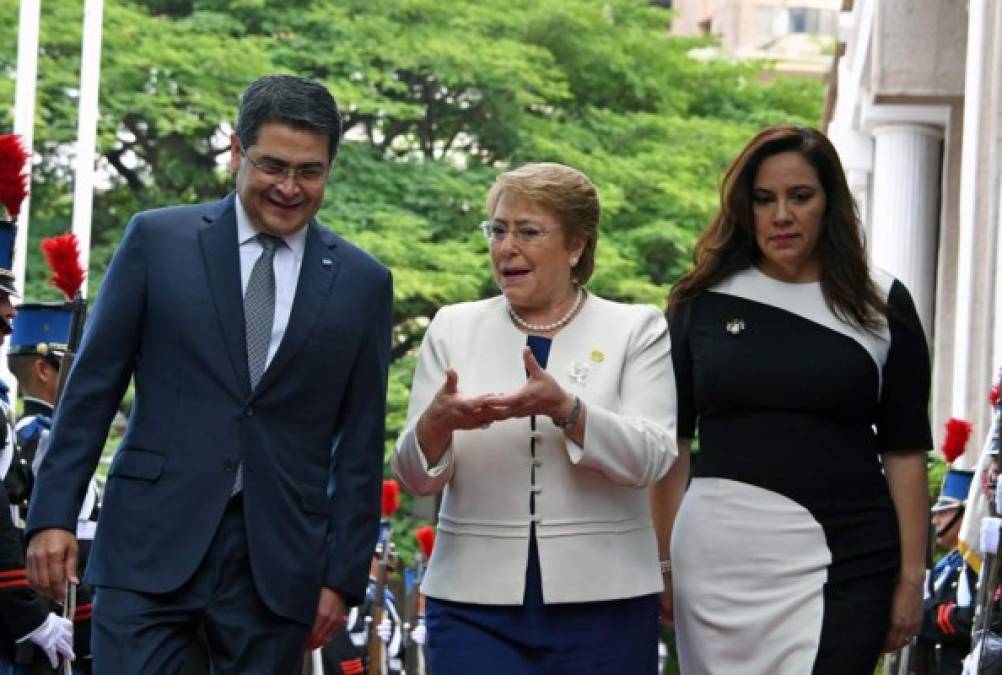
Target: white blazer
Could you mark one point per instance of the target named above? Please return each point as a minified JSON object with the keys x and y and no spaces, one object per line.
{"x":592,"y":514}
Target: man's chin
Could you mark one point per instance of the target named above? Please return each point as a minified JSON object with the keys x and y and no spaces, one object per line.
{"x":284,"y":226}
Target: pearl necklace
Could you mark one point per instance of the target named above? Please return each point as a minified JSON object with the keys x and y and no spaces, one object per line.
{"x":547,"y":327}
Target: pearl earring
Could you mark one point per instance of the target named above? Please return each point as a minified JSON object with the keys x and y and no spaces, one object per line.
{"x":574,"y":261}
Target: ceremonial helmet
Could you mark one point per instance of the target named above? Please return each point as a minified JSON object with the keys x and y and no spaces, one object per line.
{"x":41,"y":329}
{"x":953,"y":494}
{"x":8,"y":232}
{"x":13,"y":191}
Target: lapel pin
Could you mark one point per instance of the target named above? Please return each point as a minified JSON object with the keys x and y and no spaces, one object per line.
{"x":579,"y":371}
{"x":734,"y":326}
{"x":326,"y":262}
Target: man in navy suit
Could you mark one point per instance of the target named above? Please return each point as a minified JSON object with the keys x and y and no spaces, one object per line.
{"x":244,"y":497}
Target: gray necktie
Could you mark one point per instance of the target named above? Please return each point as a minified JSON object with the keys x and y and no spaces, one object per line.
{"x":259,"y":307}
{"x":259,"y":317}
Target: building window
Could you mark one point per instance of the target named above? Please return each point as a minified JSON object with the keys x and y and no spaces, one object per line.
{"x":801,"y":18}
{"x":811,"y":20}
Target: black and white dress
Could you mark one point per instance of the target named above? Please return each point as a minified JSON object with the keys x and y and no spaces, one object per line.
{"x":785,"y":550}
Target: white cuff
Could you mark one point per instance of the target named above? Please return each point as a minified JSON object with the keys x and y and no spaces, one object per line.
{"x":443,"y":462}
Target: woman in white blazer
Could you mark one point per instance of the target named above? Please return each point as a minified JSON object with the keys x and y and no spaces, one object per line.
{"x":542,"y":415}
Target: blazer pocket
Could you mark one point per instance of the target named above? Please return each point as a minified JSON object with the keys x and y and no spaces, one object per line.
{"x":316,"y":500}
{"x":141,"y":464}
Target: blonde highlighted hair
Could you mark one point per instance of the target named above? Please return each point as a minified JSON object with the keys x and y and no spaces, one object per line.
{"x":565,"y":193}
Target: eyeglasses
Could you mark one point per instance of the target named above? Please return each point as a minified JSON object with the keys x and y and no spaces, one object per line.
{"x":496,"y":232}
{"x":307,"y":173}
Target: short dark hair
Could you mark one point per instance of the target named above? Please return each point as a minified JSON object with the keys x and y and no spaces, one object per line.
{"x":22,"y":365}
{"x":297,"y":101}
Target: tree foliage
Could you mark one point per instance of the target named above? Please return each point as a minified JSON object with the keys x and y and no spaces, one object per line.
{"x":439,"y":96}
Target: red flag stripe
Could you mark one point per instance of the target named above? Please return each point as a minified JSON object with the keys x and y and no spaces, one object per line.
{"x":14,"y":574}
{"x":18,"y":583}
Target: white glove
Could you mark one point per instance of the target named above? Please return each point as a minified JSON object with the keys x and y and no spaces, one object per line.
{"x":419,"y":634}
{"x":385,"y":629}
{"x":55,"y":638}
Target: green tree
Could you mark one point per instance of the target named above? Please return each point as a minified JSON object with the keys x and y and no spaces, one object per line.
{"x":439,"y":96}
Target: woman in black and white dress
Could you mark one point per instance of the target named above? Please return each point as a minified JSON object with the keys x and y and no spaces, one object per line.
{"x":799,"y":545}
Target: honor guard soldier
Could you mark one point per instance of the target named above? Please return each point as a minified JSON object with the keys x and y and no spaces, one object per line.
{"x":948,"y":612}
{"x":37,"y":347}
{"x":25,"y":616}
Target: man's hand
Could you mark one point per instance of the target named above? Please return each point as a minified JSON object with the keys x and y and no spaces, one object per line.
{"x":52,"y":558}
{"x":330,"y":618}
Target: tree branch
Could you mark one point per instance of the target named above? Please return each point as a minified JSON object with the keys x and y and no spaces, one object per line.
{"x":131,"y":177}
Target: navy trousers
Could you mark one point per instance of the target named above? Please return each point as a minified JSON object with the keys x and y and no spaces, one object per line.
{"x":600,"y":638}
{"x":10,"y":668}
{"x":152,"y":633}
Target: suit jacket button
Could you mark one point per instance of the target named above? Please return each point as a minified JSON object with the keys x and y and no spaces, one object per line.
{"x":249,"y":412}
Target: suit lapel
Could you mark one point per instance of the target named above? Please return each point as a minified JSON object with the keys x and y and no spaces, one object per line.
{"x":221,"y":257}
{"x":316,"y":278}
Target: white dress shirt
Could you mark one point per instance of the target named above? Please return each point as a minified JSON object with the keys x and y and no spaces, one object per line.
{"x":287,"y":263}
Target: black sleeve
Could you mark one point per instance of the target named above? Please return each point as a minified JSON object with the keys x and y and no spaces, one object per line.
{"x":903,"y":417}
{"x":681,"y":359}
{"x":946,"y":622}
{"x":22,"y":610}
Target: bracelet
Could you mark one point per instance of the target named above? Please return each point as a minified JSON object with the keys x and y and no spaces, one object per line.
{"x":572,"y":418}
{"x":665,"y":566}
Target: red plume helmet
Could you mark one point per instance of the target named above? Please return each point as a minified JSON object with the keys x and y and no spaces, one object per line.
{"x":391,"y":497}
{"x":13,"y":178}
{"x":426,"y":540}
{"x":62,"y":255}
{"x":957,"y":433}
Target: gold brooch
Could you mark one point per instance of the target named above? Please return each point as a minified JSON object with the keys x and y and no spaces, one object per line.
{"x":597,"y":356}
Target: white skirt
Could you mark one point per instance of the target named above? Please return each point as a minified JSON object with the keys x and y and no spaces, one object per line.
{"x":748,"y":570}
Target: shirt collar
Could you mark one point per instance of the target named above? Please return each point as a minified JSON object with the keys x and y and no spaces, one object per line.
{"x":246,"y":231}
{"x":38,"y":402}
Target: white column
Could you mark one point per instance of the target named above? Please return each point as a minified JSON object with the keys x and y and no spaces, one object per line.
{"x":24,"y":126}
{"x":859,"y":188}
{"x":967,"y":221}
{"x":905,"y":217}
{"x":24,"y":115}
{"x":90,"y":78}
{"x":855,"y":150}
{"x":997,"y":328}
